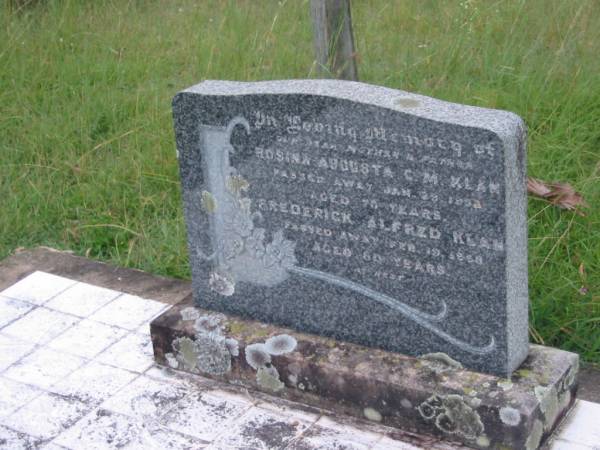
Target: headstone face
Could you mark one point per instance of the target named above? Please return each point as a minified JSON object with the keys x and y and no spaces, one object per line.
{"x":359,"y":212}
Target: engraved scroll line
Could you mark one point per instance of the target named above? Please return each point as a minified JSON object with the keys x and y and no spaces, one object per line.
{"x":417,"y":316}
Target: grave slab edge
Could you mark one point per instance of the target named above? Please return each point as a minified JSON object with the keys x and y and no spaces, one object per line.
{"x":430,"y":394}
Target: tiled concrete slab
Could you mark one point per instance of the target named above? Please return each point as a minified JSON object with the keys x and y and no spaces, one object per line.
{"x":14,"y":440}
{"x":133,"y":352}
{"x":82,"y":299}
{"x":87,"y":338}
{"x":581,"y":428}
{"x":40,"y":325}
{"x":13,"y":395}
{"x":327,"y":433}
{"x":43,"y":367}
{"x":138,"y":410}
{"x":128,"y":311}
{"x":11,"y":309}
{"x":47,"y":415}
{"x":259,"y":428}
{"x":38,"y":288}
{"x":13,"y":349}
{"x":104,"y":429}
{"x":93,"y":382}
{"x":147,"y":397}
{"x":204,"y":415}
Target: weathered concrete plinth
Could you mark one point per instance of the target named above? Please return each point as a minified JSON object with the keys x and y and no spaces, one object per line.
{"x":431,"y":394}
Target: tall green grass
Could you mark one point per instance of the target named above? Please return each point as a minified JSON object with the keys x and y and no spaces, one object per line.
{"x":87,"y":157}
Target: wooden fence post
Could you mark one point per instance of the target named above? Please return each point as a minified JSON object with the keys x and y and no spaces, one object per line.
{"x":334,"y":41}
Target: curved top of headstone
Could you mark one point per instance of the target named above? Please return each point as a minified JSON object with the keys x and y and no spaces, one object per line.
{"x":503,"y":123}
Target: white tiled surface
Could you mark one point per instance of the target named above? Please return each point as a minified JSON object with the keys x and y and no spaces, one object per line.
{"x":128,"y":311}
{"x":581,"y":429}
{"x":11,"y":309}
{"x":87,"y":338}
{"x":76,"y":372}
{"x":12,"y":349}
{"x":40,"y":325}
{"x":38,"y":288}
{"x":43,"y":367}
{"x":82,"y":299}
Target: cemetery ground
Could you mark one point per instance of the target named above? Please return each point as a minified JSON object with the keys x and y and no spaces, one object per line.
{"x":87,"y":155}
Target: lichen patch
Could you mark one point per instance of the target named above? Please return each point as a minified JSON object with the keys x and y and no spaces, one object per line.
{"x":211,"y":351}
{"x":257,"y":355}
{"x":533,"y":441}
{"x":213,"y":356}
{"x":548,"y":398}
{"x":233,"y":346}
{"x":186,"y":353}
{"x":509,"y":416}
{"x":483,"y":441}
{"x":372,"y":414}
{"x":268,"y":378}
{"x":189,"y":313}
{"x":280,"y":344}
{"x":505,"y":385}
{"x":451,"y":414}
{"x":439,"y":362}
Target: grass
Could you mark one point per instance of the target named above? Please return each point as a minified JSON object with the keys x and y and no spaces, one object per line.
{"x":87,"y":157}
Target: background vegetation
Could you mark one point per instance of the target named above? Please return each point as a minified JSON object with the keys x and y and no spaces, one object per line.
{"x":87,"y":157}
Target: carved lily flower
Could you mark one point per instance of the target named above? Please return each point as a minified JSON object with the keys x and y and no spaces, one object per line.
{"x":255,"y":242}
{"x":280,"y":251}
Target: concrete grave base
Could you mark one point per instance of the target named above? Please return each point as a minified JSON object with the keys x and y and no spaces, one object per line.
{"x":431,"y":394}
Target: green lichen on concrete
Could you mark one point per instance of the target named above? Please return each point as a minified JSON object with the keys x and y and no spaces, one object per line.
{"x":258,"y":356}
{"x":207,"y":354}
{"x":236,"y":328}
{"x":213,"y":355}
{"x":268,"y":378}
{"x":452,"y":415}
{"x":210,"y":351}
{"x":372,"y":414}
{"x":469,"y":391}
{"x":533,"y":441}
{"x":505,"y":384}
{"x":439,"y":362}
{"x":548,"y":398}
{"x":524,"y":373}
{"x":186,"y":353}
{"x":483,"y":441}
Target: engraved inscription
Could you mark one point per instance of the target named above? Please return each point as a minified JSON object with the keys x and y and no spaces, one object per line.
{"x":349,"y":194}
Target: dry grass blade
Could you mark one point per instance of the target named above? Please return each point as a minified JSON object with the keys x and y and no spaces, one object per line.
{"x":562,"y":195}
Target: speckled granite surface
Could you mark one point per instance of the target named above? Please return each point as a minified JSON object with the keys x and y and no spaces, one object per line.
{"x":358,"y":212}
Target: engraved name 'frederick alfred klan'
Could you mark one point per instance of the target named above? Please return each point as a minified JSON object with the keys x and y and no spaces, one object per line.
{"x":359,"y":212}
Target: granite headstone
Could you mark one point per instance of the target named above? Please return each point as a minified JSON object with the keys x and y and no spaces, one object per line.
{"x":359,"y":212}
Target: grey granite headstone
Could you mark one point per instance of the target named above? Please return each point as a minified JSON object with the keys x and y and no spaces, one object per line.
{"x":359,"y":212}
